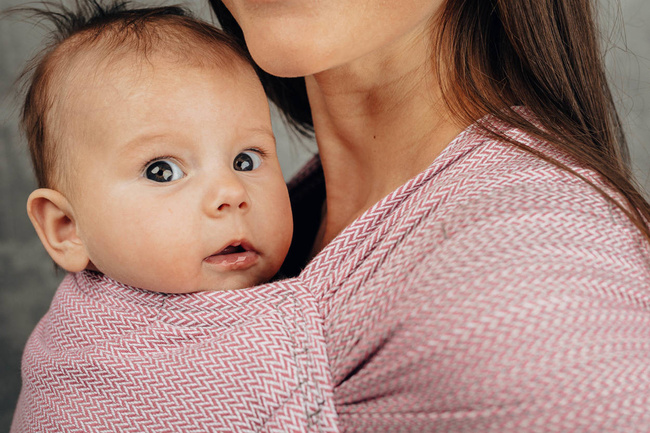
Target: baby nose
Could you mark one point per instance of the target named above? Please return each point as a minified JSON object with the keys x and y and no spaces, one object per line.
{"x":231,"y":195}
{"x":234,"y":203}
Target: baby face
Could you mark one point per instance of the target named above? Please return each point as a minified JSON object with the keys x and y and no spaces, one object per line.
{"x":176,"y":186}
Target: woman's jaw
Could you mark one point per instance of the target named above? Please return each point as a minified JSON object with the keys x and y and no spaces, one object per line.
{"x":292,"y":38}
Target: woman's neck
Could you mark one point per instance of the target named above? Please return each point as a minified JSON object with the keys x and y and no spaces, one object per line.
{"x":378,"y":121}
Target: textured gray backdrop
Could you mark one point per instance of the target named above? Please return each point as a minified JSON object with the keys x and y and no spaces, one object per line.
{"x":27,"y":278}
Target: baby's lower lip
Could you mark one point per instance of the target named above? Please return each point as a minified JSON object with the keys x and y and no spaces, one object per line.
{"x":235,"y":261}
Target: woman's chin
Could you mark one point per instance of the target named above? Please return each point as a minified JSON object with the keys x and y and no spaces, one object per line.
{"x":287,"y":62}
{"x":282,"y":69}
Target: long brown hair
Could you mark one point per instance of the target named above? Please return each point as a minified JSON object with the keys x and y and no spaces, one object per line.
{"x":496,"y":54}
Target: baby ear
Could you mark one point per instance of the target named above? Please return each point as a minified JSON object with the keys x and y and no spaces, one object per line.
{"x":52,"y":217}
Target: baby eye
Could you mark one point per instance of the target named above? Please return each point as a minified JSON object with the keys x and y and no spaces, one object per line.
{"x":163,"y":170}
{"x":247,"y":161}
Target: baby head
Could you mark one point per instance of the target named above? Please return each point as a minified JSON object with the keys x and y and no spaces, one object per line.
{"x":151,"y":139}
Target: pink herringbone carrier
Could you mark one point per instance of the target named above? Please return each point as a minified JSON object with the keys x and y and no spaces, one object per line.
{"x":494,"y":292}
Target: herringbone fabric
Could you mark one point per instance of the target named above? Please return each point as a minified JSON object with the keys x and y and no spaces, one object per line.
{"x":493,"y":292}
{"x":110,"y":358}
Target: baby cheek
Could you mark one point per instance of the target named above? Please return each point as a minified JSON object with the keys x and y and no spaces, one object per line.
{"x":166,"y":241}
{"x":140,"y":241}
{"x":279,"y":223}
{"x":160,"y":262}
{"x":154,"y":246}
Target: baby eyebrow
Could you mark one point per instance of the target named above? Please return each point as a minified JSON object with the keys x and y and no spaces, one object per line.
{"x":146,"y":143}
{"x":262,"y":132}
{"x":144,"y":140}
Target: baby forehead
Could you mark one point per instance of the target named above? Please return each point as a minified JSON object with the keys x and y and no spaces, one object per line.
{"x":96,"y":68}
{"x":107,"y":79}
{"x":93,"y":75}
{"x":127,"y":93}
{"x":96,"y":85}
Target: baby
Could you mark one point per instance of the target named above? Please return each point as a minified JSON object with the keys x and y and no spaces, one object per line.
{"x":151,"y":139}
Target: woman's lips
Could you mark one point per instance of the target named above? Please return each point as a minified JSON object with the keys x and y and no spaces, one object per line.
{"x":234,"y":257}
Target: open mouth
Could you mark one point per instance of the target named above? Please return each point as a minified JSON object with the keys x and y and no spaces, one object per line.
{"x":231,"y":249}
{"x":235,"y":256}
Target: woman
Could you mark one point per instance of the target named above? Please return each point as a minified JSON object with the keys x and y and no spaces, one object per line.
{"x":480,"y":259}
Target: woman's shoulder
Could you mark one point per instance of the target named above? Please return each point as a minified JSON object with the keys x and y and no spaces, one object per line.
{"x":517,"y":290}
{"x":485,"y":170}
{"x":488,"y":161}
{"x":499,"y":206}
{"x":488,"y":205}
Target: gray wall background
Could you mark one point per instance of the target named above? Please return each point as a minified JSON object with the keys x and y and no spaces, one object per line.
{"x":27,"y":278}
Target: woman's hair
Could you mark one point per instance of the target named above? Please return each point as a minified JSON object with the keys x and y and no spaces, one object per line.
{"x":497,"y":54}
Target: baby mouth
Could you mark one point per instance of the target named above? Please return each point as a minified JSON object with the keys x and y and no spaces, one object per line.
{"x":235,"y":256}
{"x":232,"y":249}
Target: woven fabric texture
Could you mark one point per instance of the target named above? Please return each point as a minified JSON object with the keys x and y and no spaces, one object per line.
{"x":111,"y":358}
{"x":494,"y":292}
